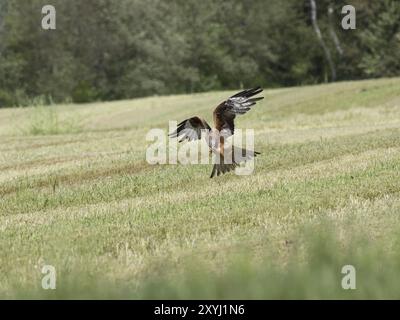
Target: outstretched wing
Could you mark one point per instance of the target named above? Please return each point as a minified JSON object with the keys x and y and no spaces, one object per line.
{"x":190,"y":129}
{"x":240,"y":103}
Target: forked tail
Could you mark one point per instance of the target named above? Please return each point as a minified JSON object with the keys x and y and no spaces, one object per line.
{"x":240,"y":155}
{"x":221,"y":168}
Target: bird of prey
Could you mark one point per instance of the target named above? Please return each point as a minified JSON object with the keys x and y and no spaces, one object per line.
{"x":224,"y":115}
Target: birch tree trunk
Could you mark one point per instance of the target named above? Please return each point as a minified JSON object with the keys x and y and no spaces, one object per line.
{"x":321,"y":40}
{"x":332,"y":31}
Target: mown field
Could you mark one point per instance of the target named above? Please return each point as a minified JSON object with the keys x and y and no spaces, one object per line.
{"x":77,"y":193}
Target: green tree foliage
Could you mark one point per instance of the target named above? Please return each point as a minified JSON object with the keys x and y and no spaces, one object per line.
{"x":381,"y":41}
{"x":118,"y":49}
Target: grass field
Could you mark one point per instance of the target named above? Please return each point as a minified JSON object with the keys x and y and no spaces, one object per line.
{"x":77,"y":193}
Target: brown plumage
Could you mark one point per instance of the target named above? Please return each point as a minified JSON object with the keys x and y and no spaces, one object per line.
{"x":224,"y":116}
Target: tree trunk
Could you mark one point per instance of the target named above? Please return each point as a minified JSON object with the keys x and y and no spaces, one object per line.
{"x":332,"y":31}
{"x":321,"y":40}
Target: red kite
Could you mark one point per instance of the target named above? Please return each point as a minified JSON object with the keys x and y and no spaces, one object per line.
{"x":227,"y":157}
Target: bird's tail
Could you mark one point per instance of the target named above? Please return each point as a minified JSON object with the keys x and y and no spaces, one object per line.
{"x":240,"y":155}
{"x":221,"y":168}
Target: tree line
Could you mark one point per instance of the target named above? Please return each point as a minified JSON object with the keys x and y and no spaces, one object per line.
{"x":120,"y":49}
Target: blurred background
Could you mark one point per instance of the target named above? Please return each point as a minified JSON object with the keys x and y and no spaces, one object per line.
{"x":120,"y":49}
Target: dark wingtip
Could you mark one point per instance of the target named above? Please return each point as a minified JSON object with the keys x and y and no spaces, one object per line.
{"x":249,"y":92}
{"x":255,"y":99}
{"x":255,"y":91}
{"x":181,"y":123}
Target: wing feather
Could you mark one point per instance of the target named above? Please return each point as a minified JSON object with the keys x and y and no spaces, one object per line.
{"x":190,"y":129}
{"x":239,"y":103}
